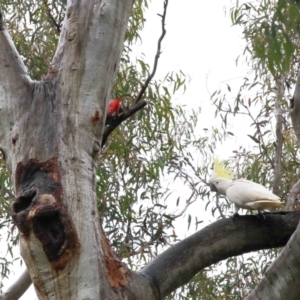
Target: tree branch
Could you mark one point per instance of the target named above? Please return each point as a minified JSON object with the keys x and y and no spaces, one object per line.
{"x":121,"y":118}
{"x":18,"y":288}
{"x":293,"y":193}
{"x":218,"y":241}
{"x":282,"y":279}
{"x":262,"y":145}
{"x":12,"y":68}
{"x":295,"y":109}
{"x":188,"y":202}
{"x":52,"y":20}
{"x":279,"y":135}
{"x":14,"y":84}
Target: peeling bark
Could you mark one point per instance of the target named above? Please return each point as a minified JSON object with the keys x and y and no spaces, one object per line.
{"x":39,"y":208}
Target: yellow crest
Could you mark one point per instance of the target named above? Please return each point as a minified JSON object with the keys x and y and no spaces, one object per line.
{"x":221,"y":170}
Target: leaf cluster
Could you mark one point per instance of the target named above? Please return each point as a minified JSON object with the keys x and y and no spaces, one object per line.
{"x":271,"y":30}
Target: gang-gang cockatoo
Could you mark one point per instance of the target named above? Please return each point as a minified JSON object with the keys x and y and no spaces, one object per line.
{"x":113,"y":110}
{"x":242,"y":193}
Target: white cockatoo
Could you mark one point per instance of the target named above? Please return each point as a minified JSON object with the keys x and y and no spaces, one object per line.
{"x":242,"y":193}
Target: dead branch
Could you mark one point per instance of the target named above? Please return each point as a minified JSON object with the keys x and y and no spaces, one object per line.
{"x":158,"y":52}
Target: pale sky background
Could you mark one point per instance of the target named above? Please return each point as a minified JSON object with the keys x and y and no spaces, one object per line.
{"x":199,"y":41}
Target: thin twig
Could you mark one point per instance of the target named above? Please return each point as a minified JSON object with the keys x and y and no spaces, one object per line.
{"x":188,"y":202}
{"x":158,"y":52}
{"x":121,"y":118}
{"x":219,"y":207}
{"x":57,"y":25}
{"x":154,"y":238}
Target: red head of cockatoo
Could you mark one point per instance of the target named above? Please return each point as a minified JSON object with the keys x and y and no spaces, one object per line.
{"x":113,"y":110}
{"x":114,"y":107}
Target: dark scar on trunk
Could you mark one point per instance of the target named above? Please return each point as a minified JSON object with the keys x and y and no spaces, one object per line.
{"x":38,"y":209}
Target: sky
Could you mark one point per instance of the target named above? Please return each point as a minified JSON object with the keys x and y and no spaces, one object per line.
{"x":201,"y":42}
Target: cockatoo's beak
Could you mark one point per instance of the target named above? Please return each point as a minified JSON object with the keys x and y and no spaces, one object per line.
{"x":213,"y":188}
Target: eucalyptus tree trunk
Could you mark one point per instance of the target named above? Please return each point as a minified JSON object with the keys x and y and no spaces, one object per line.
{"x":50,"y":136}
{"x":282,"y":279}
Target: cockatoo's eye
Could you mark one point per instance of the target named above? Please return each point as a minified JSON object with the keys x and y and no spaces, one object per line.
{"x":217,"y":182}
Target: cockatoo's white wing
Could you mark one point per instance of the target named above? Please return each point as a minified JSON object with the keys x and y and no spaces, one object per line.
{"x":256,"y":186}
{"x":248,"y":194}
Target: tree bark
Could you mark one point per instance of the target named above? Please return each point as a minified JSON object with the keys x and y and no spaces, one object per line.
{"x":279,"y":135}
{"x":18,"y":288}
{"x":218,"y":241}
{"x":295,"y":110}
{"x":51,"y":132}
{"x":292,"y":197}
{"x":282,"y":279}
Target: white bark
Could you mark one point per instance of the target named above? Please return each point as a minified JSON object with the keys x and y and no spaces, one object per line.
{"x":282,"y":279}
{"x":51,"y":137}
